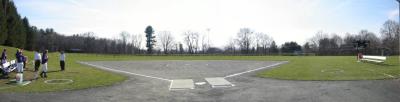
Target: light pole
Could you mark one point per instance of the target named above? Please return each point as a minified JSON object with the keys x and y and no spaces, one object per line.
{"x":399,"y":9}
{"x":399,"y":25}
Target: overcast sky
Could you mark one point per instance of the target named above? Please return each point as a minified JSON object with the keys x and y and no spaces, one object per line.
{"x":284,"y":20}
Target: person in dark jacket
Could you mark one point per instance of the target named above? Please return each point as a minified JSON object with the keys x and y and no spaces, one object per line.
{"x":24,"y":58}
{"x":62,"y":60}
{"x":45,"y":58}
{"x":20,"y":61}
{"x":3,"y":58}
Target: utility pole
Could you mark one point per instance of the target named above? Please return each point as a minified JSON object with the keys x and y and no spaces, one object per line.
{"x":208,"y":38}
{"x":399,"y":9}
{"x":399,"y":25}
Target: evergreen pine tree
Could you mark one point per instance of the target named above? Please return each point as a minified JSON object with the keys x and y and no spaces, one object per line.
{"x":30,"y":35}
{"x":3,"y":22}
{"x":273,"y":48}
{"x":150,"y":39}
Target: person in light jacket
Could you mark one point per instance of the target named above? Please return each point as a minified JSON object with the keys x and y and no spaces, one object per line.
{"x":37,"y":60}
{"x":45,"y":58}
{"x":62,"y":60}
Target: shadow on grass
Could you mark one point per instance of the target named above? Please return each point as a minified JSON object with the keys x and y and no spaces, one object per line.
{"x":4,"y":77}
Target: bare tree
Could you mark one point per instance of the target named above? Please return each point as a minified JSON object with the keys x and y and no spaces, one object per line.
{"x":257,"y":43}
{"x":166,"y":40}
{"x":196,"y":42}
{"x":315,"y":40}
{"x":265,"y":42}
{"x":337,"y":39}
{"x":204,"y":43}
{"x":318,"y":36}
{"x":136,"y":43}
{"x":262,"y":42}
{"x":348,"y":46}
{"x":230,"y":47}
{"x":191,"y":39}
{"x":244,"y":39}
{"x":124,"y":38}
{"x":374,"y":43}
{"x":390,"y":36}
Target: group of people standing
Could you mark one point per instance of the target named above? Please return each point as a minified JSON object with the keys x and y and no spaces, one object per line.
{"x":39,"y":59}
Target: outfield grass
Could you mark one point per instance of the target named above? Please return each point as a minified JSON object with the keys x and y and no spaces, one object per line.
{"x":333,"y":68}
{"x":298,"y":68}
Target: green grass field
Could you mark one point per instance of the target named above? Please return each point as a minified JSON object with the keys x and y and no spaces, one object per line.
{"x":298,"y":68}
{"x":333,"y":68}
{"x":83,"y":76}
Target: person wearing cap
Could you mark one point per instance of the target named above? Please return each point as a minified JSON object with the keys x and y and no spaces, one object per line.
{"x":45,"y":58}
{"x":20,"y":61}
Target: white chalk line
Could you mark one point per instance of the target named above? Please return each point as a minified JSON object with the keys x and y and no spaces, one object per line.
{"x":222,"y":86}
{"x":388,"y":75}
{"x":121,"y":71}
{"x":1,"y":88}
{"x":391,"y":76}
{"x":236,"y":74}
{"x":170,"y":85}
{"x":68,"y":81}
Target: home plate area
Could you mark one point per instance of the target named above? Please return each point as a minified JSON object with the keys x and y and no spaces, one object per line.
{"x":184,"y":74}
{"x":182,"y":84}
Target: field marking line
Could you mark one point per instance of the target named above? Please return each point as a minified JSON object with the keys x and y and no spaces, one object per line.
{"x":170,"y":85}
{"x":69,"y":81}
{"x":388,"y":75}
{"x":236,"y":74}
{"x":1,"y":88}
{"x":382,"y":73}
{"x":121,"y":71}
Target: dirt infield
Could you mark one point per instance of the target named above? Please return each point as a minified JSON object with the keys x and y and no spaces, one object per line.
{"x":177,"y":69}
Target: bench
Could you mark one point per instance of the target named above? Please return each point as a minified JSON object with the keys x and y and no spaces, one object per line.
{"x":9,"y":66}
{"x":377,"y":59}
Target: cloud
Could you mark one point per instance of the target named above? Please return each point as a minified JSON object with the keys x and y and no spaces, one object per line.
{"x":107,"y":18}
{"x":394,"y":14}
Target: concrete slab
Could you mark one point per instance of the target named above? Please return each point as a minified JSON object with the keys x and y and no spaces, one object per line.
{"x":219,"y":82}
{"x":181,"y":84}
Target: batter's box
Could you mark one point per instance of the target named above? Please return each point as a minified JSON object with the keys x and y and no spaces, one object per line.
{"x":181,"y":84}
{"x":219,"y":82}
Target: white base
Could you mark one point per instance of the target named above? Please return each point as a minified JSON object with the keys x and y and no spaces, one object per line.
{"x":181,"y":84}
{"x":218,"y":82}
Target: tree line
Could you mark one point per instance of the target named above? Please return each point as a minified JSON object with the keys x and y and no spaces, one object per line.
{"x":333,"y":44}
{"x":17,"y":32}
